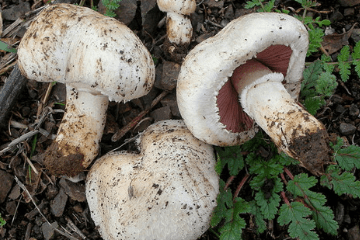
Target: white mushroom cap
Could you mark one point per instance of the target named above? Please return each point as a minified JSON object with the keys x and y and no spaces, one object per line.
{"x":184,"y":7}
{"x":99,"y":59}
{"x":91,"y":52}
{"x":208,"y":67}
{"x":167,"y":191}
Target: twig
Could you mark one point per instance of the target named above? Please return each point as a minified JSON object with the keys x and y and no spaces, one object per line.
{"x":241,"y":184}
{"x":228,"y":182}
{"x":22,"y":186}
{"x":121,"y":132}
{"x":30,"y":163}
{"x":18,"y":140}
{"x":287,"y":171}
{"x":73,"y":227}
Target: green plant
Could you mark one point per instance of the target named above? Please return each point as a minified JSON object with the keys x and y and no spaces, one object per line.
{"x":2,"y":221}
{"x":5,"y":47}
{"x":319,"y":78}
{"x":259,"y":3}
{"x":111,"y":6}
{"x":278,"y":195}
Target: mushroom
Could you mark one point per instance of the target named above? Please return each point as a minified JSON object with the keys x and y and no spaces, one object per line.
{"x":251,"y":71}
{"x":99,"y":59}
{"x":167,"y":191}
{"x":178,"y":25}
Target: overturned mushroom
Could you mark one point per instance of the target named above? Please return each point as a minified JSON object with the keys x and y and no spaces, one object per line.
{"x":167,"y":191}
{"x":99,"y":59}
{"x":178,"y":25}
{"x":260,"y":58}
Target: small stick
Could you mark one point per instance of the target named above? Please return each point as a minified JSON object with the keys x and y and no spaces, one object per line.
{"x":287,"y":171}
{"x":22,"y":186}
{"x":228,"y":182}
{"x":73,"y":227}
{"x":120,"y":133}
{"x":30,"y":163}
{"x":18,"y":140}
{"x":241,"y":184}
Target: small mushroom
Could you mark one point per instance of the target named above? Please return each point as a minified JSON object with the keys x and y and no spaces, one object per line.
{"x":251,"y":71}
{"x":167,"y":191}
{"x":178,"y":25}
{"x":99,"y":59}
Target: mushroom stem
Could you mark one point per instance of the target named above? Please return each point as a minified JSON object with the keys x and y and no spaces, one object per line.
{"x":79,"y":134}
{"x":265,"y":99}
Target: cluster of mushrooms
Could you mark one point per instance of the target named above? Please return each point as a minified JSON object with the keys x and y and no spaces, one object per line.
{"x":245,"y":77}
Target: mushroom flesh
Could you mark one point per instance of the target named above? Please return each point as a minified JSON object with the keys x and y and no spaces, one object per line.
{"x":167,"y":191}
{"x":99,"y":59}
{"x":249,"y":72}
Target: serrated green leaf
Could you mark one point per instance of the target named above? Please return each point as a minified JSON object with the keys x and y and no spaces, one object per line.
{"x":324,"y":218}
{"x":326,"y":84}
{"x":301,"y":184}
{"x":233,"y":229}
{"x":300,"y":226}
{"x":224,"y":201}
{"x":311,"y":74}
{"x":348,"y":158}
{"x":258,"y":217}
{"x":356,"y":58}
{"x":315,"y":38}
{"x":268,"y":207}
{"x":344,"y":65}
{"x":341,"y":183}
{"x":338,"y":145}
{"x":313,"y":104}
{"x":285,"y":160}
{"x":232,"y":157}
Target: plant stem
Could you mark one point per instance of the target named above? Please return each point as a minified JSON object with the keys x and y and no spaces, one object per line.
{"x":241,"y":184}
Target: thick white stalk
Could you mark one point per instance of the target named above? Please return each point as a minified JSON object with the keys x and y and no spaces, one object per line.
{"x":179,"y":29}
{"x":79,"y":134}
{"x":293,"y":130}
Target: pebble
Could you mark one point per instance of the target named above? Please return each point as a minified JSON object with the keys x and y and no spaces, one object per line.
{"x":76,"y":191}
{"x":6,"y":181}
{"x":16,"y":11}
{"x":354,"y":233}
{"x":355,"y":35}
{"x":163,"y":113}
{"x":170,"y":100}
{"x":169,"y":75}
{"x":48,"y":231}
{"x":339,"y":108}
{"x":57,"y":206}
{"x":354,"y":110}
{"x":347,"y":129}
{"x":349,"y":3}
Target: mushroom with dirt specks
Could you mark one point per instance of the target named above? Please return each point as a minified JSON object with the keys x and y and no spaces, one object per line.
{"x":251,"y":71}
{"x":99,"y":59}
{"x":167,"y":191}
{"x":178,"y":25}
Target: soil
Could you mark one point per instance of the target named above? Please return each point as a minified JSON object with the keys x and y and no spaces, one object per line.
{"x":62,"y":202}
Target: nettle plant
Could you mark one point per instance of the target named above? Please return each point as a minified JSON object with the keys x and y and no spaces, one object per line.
{"x":276,"y":194}
{"x":294,"y":201}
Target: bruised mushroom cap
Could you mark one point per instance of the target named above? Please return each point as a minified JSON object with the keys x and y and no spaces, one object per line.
{"x":167,"y":191}
{"x":206,"y":71}
{"x":78,"y":46}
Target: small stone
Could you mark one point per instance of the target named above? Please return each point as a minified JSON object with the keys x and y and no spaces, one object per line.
{"x":169,"y":75}
{"x":16,"y":11}
{"x":11,"y":207}
{"x":204,"y":36}
{"x":57,"y":206}
{"x":349,"y":12}
{"x":214,"y":3}
{"x":336,"y":16}
{"x":347,"y":129}
{"x":229,"y":12}
{"x":339,"y":213}
{"x":349,"y":3}
{"x":76,"y":191}
{"x":354,"y":110}
{"x":355,"y":35}
{"x":354,"y":233}
{"x":15,"y":192}
{"x":6,"y":181}
{"x":339,"y":109}
{"x":170,"y":100}
{"x":163,"y":113}
{"x":48,"y":231}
